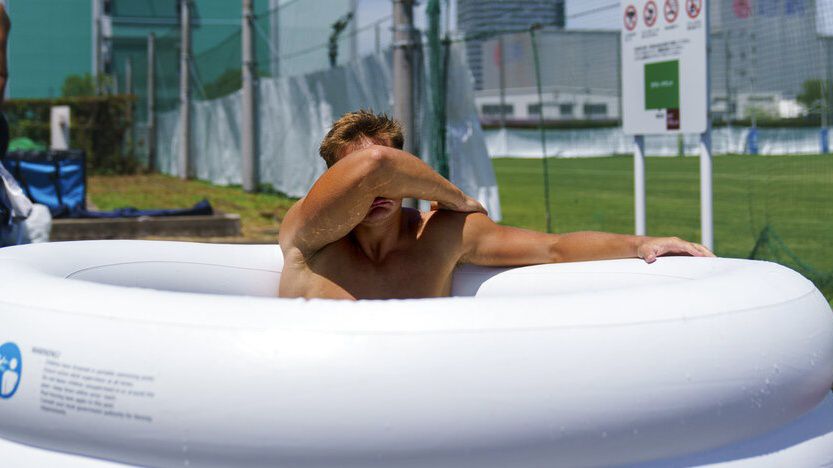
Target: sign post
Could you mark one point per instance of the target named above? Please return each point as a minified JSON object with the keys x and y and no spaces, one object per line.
{"x":665,"y":88}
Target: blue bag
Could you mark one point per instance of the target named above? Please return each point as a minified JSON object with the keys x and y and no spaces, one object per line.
{"x":57,"y":179}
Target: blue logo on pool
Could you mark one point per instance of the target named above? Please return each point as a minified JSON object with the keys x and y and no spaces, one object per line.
{"x":11,"y":368}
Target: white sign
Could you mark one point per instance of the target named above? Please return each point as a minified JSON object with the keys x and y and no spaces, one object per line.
{"x":664,"y":72}
{"x":59,"y":127}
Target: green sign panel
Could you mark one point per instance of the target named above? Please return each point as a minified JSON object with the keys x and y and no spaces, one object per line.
{"x":662,"y":85}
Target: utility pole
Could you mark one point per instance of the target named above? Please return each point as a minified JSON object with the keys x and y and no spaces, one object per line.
{"x":185,"y":91}
{"x":151,"y":102}
{"x":247,"y":111}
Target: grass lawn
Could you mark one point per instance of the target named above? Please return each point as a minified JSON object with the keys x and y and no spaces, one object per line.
{"x":793,"y":194}
{"x":260,"y":214}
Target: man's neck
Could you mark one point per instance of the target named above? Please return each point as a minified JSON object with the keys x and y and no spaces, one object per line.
{"x":377,"y":241}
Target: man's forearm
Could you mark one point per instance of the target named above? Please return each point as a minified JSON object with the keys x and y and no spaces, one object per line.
{"x":591,"y":245}
{"x":402,"y":175}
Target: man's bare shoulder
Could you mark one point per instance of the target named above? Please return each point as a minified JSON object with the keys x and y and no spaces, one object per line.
{"x":454,"y":228}
{"x":456,"y":221}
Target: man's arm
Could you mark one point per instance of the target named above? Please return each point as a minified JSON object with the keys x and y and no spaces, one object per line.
{"x":342,"y":196}
{"x":489,"y":244}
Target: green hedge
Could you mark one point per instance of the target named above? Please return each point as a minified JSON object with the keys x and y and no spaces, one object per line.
{"x":98,"y":124}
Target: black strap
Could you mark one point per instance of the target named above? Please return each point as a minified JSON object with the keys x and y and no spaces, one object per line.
{"x":18,"y":174}
{"x":56,"y":178}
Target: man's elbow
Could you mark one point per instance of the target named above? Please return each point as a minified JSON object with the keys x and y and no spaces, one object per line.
{"x":376,"y":161}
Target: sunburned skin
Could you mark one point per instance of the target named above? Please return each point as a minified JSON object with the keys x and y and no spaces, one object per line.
{"x":350,"y":237}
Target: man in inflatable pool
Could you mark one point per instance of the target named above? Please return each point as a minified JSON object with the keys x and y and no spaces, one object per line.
{"x":350,"y":237}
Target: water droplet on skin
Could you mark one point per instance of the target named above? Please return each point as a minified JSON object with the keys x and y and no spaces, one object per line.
{"x":604,"y":435}
{"x":635,"y":431}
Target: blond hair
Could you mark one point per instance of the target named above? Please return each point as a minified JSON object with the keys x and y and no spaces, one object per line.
{"x":353,"y":127}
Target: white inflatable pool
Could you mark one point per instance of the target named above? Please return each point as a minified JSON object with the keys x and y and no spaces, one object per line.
{"x":177,"y":354}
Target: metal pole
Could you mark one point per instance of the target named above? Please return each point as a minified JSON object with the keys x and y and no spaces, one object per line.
{"x":128,"y":90}
{"x":275,"y":37}
{"x":639,"y":184}
{"x":447,"y":18}
{"x":151,"y":102}
{"x":247,"y":110}
{"x":825,"y":94}
{"x":354,"y":33}
{"x":128,"y":76}
{"x":706,"y":212}
{"x":96,"y":41}
{"x":403,"y":21}
{"x":185,"y":92}
{"x":502,"y":79}
{"x":403,"y":97}
{"x":537,"y":66}
{"x":377,"y":32}
{"x":727,"y":59}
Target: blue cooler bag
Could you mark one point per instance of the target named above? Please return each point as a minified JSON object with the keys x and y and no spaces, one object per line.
{"x":55,"y":178}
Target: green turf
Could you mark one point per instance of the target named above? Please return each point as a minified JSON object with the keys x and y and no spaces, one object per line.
{"x":793,"y":194}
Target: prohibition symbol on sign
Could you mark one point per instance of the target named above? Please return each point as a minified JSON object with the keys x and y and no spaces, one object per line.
{"x":630,"y":17}
{"x":693,"y":8}
{"x":671,"y":10}
{"x":650,"y":13}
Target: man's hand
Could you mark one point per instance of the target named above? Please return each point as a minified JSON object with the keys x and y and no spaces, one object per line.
{"x":652,"y":247}
{"x":465,"y":204}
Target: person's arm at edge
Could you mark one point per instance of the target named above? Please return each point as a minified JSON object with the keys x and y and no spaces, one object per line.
{"x":342,"y":196}
{"x":490,"y":244}
{"x":5,"y":27}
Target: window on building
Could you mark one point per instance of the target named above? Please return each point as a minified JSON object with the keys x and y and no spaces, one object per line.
{"x":594,"y":111}
{"x":493,"y":110}
{"x":565,"y":110}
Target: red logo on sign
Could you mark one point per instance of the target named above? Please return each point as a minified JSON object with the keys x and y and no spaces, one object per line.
{"x":693,"y":8}
{"x":650,"y":13}
{"x":742,"y":8}
{"x":630,"y":17}
{"x":671,"y":10}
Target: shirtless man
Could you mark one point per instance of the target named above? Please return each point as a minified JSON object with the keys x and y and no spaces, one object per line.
{"x":350,"y":237}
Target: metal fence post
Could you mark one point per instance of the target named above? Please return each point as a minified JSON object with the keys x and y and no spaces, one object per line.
{"x":151,"y":102}
{"x":185,"y":91}
{"x":247,"y":130}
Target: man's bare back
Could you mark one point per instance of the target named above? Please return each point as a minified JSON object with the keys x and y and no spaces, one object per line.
{"x":350,"y":238}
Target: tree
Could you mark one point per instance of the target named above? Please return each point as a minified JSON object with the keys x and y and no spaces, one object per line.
{"x":78,"y":85}
{"x":227,"y":83}
{"x":84,"y":85}
{"x":814,"y":94}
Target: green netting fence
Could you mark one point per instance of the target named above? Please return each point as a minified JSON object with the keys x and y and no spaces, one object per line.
{"x":547,"y":87}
